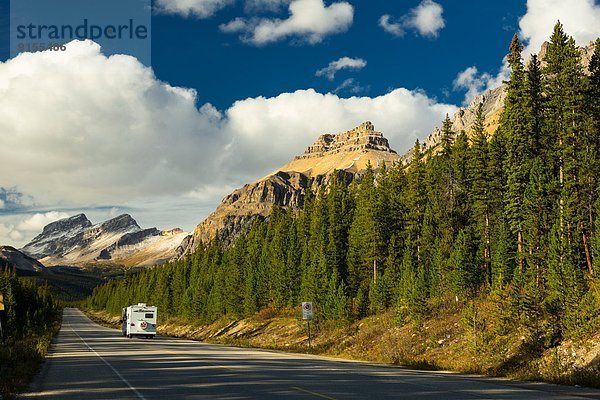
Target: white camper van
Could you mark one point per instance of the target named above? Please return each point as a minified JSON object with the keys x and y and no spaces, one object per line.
{"x":139,"y":320}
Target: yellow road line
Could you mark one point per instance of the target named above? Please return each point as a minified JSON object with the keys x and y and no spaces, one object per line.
{"x":323,"y":396}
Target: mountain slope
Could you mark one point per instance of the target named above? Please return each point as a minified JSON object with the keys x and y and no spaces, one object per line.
{"x":13,"y":258}
{"x":349,"y":153}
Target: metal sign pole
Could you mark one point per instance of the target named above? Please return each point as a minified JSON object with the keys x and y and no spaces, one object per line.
{"x":307,"y":314}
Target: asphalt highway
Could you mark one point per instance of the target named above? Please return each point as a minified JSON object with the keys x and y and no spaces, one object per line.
{"x":88,"y":361}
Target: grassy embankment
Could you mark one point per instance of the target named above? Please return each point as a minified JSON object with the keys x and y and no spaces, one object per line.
{"x":457,"y":337}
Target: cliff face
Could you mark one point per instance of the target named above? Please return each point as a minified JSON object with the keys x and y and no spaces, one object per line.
{"x":347,"y":154}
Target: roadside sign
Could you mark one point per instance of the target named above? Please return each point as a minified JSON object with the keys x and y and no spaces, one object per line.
{"x":307,"y":310}
{"x":1,"y":302}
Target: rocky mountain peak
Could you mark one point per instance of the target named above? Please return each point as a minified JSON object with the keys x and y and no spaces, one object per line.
{"x":76,"y":222}
{"x":346,"y":154}
{"x":362,"y":137}
{"x":124,"y":222}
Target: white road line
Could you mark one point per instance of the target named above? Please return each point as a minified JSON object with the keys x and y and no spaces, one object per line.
{"x":139,"y":395}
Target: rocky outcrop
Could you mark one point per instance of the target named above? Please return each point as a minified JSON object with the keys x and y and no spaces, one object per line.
{"x":345,"y":154}
{"x":585,"y":52}
{"x":360,"y":138}
{"x":118,"y":241}
{"x":492,"y":102}
{"x":13,"y":258}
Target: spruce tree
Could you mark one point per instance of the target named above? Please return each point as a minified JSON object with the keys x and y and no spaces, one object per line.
{"x":480,"y":192}
{"x":515,"y":127}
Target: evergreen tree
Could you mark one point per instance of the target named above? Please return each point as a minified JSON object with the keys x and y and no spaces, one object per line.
{"x":515,"y":126}
{"x":479,"y":173}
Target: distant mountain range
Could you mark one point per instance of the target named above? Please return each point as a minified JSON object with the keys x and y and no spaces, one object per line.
{"x":119,"y":241}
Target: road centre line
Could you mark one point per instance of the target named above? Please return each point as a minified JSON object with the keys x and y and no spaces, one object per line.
{"x":323,"y":396}
{"x":316,"y":394}
{"x":138,"y":394}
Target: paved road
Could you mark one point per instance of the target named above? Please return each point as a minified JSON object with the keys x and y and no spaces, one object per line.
{"x":92,"y":362}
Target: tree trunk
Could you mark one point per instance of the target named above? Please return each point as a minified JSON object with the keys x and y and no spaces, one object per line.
{"x":520,"y":250}
{"x":588,"y":258}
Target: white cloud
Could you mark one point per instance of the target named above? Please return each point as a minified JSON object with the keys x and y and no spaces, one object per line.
{"x":343,"y":63}
{"x":395,"y":28}
{"x":309,"y":21}
{"x":116,"y":134}
{"x":37,"y":222}
{"x":426,"y":19}
{"x":233,"y":26}
{"x":121,"y":137}
{"x":286,"y":124}
{"x":192,"y":8}
{"x":352,"y":86}
{"x":580,"y":19}
{"x":19,"y":229}
{"x":476,"y":83}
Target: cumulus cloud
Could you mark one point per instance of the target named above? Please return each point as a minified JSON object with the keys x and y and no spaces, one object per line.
{"x":99,"y":123}
{"x":475,"y":82}
{"x":286,"y":124}
{"x":37,"y":222}
{"x":191,"y":8}
{"x":343,"y":63}
{"x":309,"y":21}
{"x":579,"y":18}
{"x":426,"y":19}
{"x":121,"y":137}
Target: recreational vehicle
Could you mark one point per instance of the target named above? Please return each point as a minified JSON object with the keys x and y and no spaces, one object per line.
{"x":139,"y":320}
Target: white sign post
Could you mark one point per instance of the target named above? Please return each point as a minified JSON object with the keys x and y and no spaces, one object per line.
{"x":307,"y":314}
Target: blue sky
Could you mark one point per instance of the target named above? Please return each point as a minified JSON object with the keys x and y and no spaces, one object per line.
{"x":232,"y":93}
{"x":194,"y":53}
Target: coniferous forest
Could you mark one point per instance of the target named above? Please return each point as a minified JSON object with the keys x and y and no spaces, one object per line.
{"x":510,"y":217}
{"x":29,"y":320}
